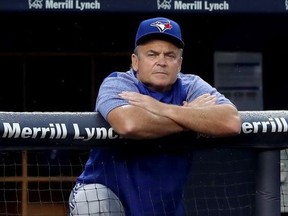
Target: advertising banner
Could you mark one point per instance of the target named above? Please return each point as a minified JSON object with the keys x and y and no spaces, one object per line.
{"x":36,"y":130}
{"x":171,"y":6}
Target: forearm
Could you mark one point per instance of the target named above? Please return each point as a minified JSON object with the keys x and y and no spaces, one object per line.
{"x":201,"y":115}
{"x":215,"y":120}
{"x":137,"y":123}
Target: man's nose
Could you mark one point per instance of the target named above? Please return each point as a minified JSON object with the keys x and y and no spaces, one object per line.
{"x":161,"y":59}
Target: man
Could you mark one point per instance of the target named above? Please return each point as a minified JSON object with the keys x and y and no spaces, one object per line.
{"x":152,"y":100}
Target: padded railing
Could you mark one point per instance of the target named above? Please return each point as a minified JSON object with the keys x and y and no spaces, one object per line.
{"x":265,"y":130}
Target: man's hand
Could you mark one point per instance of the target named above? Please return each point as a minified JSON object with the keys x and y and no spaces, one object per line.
{"x":143,"y":101}
{"x":202,"y":100}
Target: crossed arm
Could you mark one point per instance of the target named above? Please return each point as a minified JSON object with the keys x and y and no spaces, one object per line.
{"x":145,"y":117}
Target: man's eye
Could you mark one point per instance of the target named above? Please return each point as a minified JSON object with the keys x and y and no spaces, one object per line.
{"x":171,"y":56}
{"x":151,"y":54}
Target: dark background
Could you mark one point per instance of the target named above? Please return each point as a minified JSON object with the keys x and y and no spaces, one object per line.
{"x":56,"y":61}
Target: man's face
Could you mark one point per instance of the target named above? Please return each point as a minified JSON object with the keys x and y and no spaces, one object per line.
{"x":157,"y":64}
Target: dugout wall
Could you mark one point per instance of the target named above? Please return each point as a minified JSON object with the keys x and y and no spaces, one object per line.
{"x":48,"y":52}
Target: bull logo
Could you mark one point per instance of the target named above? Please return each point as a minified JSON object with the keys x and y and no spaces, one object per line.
{"x":36,"y":4}
{"x":165,"y":4}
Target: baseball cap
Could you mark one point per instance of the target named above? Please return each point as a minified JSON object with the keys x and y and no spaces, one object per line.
{"x":159,"y":28}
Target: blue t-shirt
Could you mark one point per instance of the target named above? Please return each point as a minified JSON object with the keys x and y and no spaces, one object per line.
{"x":148,"y":179}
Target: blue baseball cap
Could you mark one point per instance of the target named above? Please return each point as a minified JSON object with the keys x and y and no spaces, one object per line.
{"x":159,"y":28}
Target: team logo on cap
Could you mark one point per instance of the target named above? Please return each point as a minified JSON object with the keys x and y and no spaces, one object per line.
{"x":162,"y":26}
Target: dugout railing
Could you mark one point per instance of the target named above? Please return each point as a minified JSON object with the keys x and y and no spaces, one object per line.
{"x":263,"y":131}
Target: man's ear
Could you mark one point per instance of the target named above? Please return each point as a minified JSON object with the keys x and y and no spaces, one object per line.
{"x":134,"y":60}
{"x":180,"y":64}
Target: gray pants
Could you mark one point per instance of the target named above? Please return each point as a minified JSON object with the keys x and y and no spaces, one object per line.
{"x":94,"y":200}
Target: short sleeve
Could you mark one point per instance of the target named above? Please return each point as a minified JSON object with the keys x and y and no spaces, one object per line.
{"x":108,"y":98}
